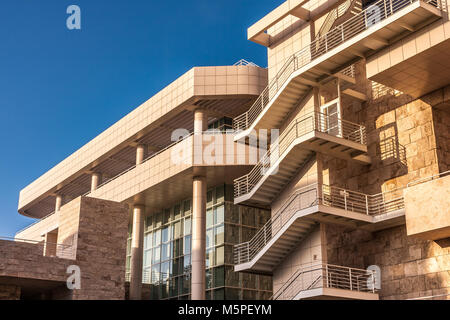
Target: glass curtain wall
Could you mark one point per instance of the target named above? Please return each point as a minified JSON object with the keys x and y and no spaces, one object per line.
{"x":167,"y":249}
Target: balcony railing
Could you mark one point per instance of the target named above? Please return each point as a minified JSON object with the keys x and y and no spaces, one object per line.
{"x":47,"y":249}
{"x":314,"y":121}
{"x":326,"y":276}
{"x":322,"y":45}
{"x":310,"y":196}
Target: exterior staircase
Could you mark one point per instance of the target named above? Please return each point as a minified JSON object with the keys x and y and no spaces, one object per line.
{"x":327,"y":281}
{"x":295,"y":146}
{"x":329,"y":54}
{"x":308,"y":206}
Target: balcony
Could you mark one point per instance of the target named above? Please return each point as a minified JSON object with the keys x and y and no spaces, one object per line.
{"x":376,"y":27}
{"x":326,"y":281}
{"x":314,"y":132}
{"x":308,"y":206}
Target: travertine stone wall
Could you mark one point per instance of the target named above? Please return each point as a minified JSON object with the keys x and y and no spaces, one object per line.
{"x":427,"y":209}
{"x":309,"y":252}
{"x":441,"y":122}
{"x":9,"y":292}
{"x":402,"y":142}
{"x":101,"y":249}
{"x":410,"y":268}
{"x":97,"y":230}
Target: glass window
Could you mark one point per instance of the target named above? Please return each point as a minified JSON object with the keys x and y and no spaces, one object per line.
{"x":177,"y":230}
{"x":165,"y":234}
{"x":219,"y":277}
{"x":158,"y":220}
{"x":156,"y":273}
{"x":220,"y":255}
{"x":208,"y":278}
{"x":157,"y":238}
{"x":156,"y":255}
{"x":185,"y":284}
{"x":165,"y":271}
{"x":177,"y":212}
{"x":209,"y":198}
{"x":166,"y":216}
{"x":148,"y":258}
{"x":219,"y":235}
{"x":209,"y":218}
{"x":148,"y":223}
{"x":148,"y":241}
{"x":177,"y":248}
{"x":219,"y":294}
{"x":166,"y":250}
{"x":219,"y":215}
{"x":186,"y":264}
{"x":187,"y":226}
{"x":187,"y":207}
{"x":220,"y":195}
{"x":210,"y":258}
{"x":209,"y":238}
{"x":187,"y":245}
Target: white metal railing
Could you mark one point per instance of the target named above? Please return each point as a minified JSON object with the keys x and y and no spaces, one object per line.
{"x":427,"y":179}
{"x":313,"y":121}
{"x":244,"y":62}
{"x":322,"y":275}
{"x":312,"y":195}
{"x":36,"y":222}
{"x":333,"y":15}
{"x":144,"y":161}
{"x":322,"y":45}
{"x":46,"y":248}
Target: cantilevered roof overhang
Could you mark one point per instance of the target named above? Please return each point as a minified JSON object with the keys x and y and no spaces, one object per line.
{"x":221,"y":91}
{"x":305,"y":10}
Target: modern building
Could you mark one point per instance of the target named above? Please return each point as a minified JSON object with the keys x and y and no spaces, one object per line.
{"x":348,"y":201}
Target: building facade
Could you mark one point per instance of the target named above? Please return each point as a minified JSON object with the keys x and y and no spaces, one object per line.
{"x":347,"y":201}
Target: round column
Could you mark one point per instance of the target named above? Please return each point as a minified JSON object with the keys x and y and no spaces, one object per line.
{"x":140,"y":153}
{"x":95,"y":181}
{"x":198,"y":238}
{"x":137,"y":241}
{"x":58,"y":202}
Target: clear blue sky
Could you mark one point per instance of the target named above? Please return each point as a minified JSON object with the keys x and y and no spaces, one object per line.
{"x":60,"y":88}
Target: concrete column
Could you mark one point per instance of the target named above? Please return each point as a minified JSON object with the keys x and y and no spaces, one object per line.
{"x":140,"y":154}
{"x":58,"y":203}
{"x":200,"y":121}
{"x":95,"y":181}
{"x":198,"y":237}
{"x":137,"y":242}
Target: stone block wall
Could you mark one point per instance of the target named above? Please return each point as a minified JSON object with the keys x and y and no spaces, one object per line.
{"x":101,"y":249}
{"x":97,"y":231}
{"x":410,"y":268}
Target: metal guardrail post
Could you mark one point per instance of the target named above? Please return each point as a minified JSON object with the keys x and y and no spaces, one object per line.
{"x":367,"y":205}
{"x":350,"y":275}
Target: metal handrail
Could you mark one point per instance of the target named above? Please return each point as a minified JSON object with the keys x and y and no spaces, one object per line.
{"x":332,"y":276}
{"x":320,"y":46}
{"x":423,"y":180}
{"x":333,"y":15}
{"x":144,"y":161}
{"x":314,"y":121}
{"x":34,"y":223}
{"x":61,"y":250}
{"x":308,"y":196}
